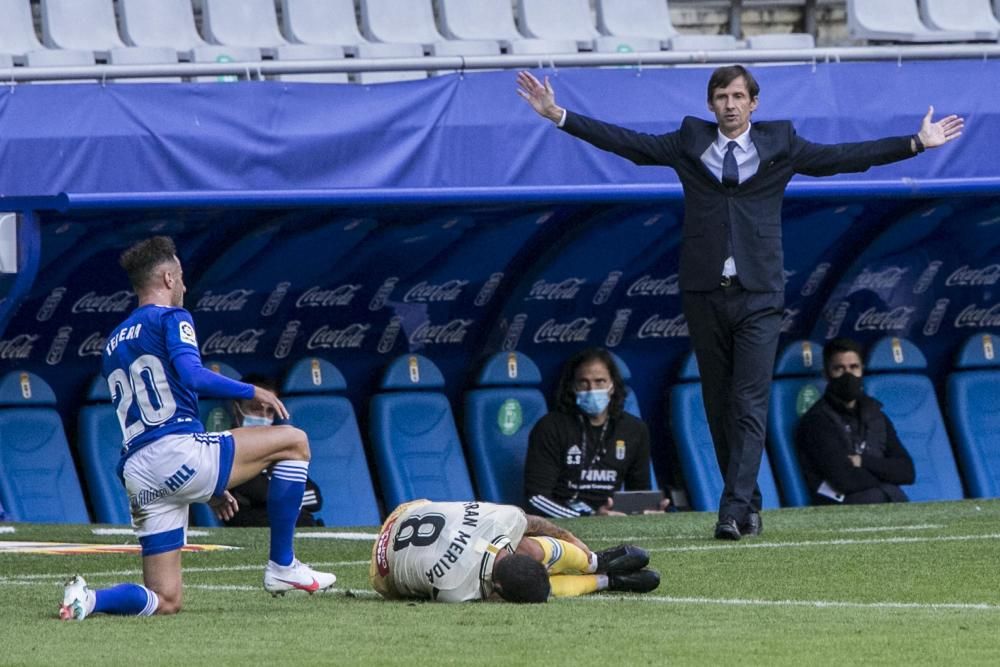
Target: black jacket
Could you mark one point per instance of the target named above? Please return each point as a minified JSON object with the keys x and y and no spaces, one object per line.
{"x":752,"y":208}
{"x":824,"y":443}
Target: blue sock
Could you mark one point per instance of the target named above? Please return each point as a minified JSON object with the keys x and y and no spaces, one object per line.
{"x":284,"y":500}
{"x":126,"y":599}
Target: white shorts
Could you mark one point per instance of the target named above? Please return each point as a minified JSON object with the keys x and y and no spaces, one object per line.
{"x":166,"y":476}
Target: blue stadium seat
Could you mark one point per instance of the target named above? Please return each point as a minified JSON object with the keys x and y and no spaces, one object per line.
{"x":414,"y":437}
{"x":215,"y":415}
{"x":797,"y":385}
{"x":695,"y":449}
{"x":499,"y":416}
{"x":893,"y":376}
{"x":974,"y":410}
{"x":338,"y":466}
{"x":632,"y":407}
{"x":38,"y":481}
{"x":100,"y":445}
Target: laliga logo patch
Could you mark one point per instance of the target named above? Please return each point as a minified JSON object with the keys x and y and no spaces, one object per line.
{"x":187,"y":334}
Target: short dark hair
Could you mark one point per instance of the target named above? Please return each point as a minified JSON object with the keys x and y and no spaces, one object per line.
{"x":723,"y":76}
{"x":141,"y":259}
{"x":566,"y":393}
{"x":839,"y":346}
{"x":521,"y":579}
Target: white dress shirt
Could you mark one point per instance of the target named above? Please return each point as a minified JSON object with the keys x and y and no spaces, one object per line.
{"x":747,"y":161}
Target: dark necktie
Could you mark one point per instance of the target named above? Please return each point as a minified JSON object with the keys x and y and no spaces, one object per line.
{"x":730,"y":170}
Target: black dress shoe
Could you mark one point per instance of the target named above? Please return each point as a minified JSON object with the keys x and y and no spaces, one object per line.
{"x":621,"y":559}
{"x":642,"y":581}
{"x":753,"y":526}
{"x":726,"y":529}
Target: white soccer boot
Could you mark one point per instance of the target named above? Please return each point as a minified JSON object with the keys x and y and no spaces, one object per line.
{"x":78,"y":600}
{"x":298,"y":576}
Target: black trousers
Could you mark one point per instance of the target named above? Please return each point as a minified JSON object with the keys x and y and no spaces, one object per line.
{"x":734,"y":334}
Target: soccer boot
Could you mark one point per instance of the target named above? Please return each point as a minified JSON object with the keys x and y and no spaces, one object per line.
{"x":298,"y":576}
{"x":78,"y":600}
{"x":621,"y":559}
{"x":642,"y":581}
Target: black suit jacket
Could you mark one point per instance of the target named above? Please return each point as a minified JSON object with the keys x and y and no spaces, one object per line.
{"x":752,"y":208}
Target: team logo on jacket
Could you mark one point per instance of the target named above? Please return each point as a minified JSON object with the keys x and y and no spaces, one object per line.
{"x":620,"y":450}
{"x":573,"y":456}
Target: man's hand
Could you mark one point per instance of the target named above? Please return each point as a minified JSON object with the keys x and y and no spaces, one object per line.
{"x":541,"y":97}
{"x":605,"y":509}
{"x":225,"y":507}
{"x":267,"y":397}
{"x":937,"y":134}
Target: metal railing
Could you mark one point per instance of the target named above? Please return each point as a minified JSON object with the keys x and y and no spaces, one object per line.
{"x":270,"y":68}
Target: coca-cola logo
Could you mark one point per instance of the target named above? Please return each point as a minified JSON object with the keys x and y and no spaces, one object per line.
{"x":543,"y":290}
{"x":974,"y":316}
{"x":452,"y":332}
{"x":92,"y":302}
{"x":232,"y":301}
{"x":245,"y":342}
{"x":18,"y":347}
{"x":574,"y":331}
{"x":965,"y":276}
{"x":663,"y":327}
{"x":316,"y":297}
{"x":92,"y":346}
{"x":352,"y":336}
{"x":888,"y":320}
{"x":886,"y":279}
{"x":647,"y":285}
{"x":425,"y":292}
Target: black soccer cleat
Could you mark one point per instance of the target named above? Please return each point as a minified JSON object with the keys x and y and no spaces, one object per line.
{"x":642,"y":581}
{"x":621,"y":559}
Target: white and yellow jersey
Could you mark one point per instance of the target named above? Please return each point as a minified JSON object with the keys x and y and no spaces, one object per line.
{"x":444,"y":551}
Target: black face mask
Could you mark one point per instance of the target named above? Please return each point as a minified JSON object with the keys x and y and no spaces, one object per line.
{"x":846,"y":388}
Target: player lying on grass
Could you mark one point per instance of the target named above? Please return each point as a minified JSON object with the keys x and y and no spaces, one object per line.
{"x":462,"y":551}
{"x":154,"y":371}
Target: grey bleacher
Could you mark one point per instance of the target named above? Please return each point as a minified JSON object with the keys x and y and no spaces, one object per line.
{"x":242,"y":23}
{"x":788,"y":40}
{"x":974,"y":16}
{"x":377,"y":50}
{"x":623,"y":44}
{"x":463,"y":47}
{"x":160,"y":23}
{"x":214,"y":53}
{"x":17,"y":29}
{"x":559,"y":20}
{"x":59,"y":58}
{"x":399,"y":22}
{"x":88,"y":25}
{"x":311,"y":52}
{"x":703,"y":43}
{"x":636,"y":18}
{"x":491,"y":20}
{"x":895,"y":21}
{"x":327,"y":22}
{"x":144,"y":55}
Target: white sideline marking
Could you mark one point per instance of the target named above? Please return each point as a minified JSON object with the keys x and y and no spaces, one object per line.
{"x":876,"y":529}
{"x":133,"y":573}
{"x":7,"y":529}
{"x":701,"y":535}
{"x":130,"y":532}
{"x":820,"y":604}
{"x":828,"y":543}
{"x":339,"y":536}
{"x":214,"y":587}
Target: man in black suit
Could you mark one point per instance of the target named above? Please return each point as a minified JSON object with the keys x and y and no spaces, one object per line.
{"x":731,"y":267}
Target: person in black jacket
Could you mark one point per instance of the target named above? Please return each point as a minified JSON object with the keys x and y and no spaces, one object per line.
{"x":848,"y":448}
{"x":588,"y":447}
{"x":731,"y":271}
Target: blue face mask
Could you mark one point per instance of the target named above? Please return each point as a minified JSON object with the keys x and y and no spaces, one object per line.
{"x":254,"y":420}
{"x":593,"y":402}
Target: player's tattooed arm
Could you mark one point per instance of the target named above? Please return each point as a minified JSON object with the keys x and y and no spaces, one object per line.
{"x":540,"y":527}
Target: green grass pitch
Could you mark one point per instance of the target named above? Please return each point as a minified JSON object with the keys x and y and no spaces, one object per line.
{"x":895,"y":585}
